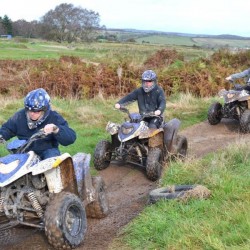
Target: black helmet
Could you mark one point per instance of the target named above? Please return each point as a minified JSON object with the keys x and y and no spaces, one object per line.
{"x":149,"y":75}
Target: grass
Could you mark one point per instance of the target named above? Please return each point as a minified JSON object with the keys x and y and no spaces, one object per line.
{"x":220,"y":222}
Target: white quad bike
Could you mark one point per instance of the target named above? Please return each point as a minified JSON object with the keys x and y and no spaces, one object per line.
{"x":135,"y":143}
{"x":55,"y":194}
{"x":236,"y":106}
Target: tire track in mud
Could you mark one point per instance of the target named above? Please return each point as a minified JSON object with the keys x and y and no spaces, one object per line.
{"x":127,"y":189}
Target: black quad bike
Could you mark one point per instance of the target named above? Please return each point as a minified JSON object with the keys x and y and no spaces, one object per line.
{"x":55,"y":194}
{"x":135,"y":143}
{"x":236,"y":106}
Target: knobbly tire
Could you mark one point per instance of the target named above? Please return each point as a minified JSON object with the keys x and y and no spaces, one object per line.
{"x":167,"y":193}
{"x":98,"y":208}
{"x":154,"y":164}
{"x":245,"y":122}
{"x":65,"y":221}
{"x":181,"y":146}
{"x":102,"y":155}
{"x":214,"y":113}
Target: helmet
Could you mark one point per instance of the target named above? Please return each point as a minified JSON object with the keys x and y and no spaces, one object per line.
{"x":148,"y":75}
{"x":37,"y":100}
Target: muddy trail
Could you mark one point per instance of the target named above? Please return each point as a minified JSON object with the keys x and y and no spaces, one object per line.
{"x":128,"y":190}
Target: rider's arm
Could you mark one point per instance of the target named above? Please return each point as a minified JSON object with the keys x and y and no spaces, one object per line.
{"x":161,"y":100}
{"x":243,"y":74}
{"x":65,"y":135}
{"x":131,"y":97}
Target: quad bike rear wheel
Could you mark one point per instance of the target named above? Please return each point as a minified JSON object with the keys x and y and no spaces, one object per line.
{"x":154,"y":164}
{"x":65,"y":221}
{"x":245,"y":122}
{"x":102,"y":155}
{"x":214,"y":113}
{"x":98,"y":208}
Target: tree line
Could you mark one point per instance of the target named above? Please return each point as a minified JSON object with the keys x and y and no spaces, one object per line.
{"x":65,"y":23}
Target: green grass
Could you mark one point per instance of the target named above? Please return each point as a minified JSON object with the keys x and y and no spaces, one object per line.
{"x":220,"y":222}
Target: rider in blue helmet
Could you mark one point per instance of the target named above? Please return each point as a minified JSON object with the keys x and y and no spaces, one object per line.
{"x":150,"y":98}
{"x":36,"y":115}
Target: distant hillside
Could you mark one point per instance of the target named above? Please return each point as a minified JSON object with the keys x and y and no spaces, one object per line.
{"x":154,"y":32}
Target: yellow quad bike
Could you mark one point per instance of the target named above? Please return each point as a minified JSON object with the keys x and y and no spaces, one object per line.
{"x":134,"y":142}
{"x":55,"y":194}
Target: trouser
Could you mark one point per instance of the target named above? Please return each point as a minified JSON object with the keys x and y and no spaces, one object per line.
{"x":49,"y":153}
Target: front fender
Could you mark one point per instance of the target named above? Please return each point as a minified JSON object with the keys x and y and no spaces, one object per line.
{"x":170,"y":132}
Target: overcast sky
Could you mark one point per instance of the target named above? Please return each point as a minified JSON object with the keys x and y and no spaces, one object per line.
{"x":213,"y":17}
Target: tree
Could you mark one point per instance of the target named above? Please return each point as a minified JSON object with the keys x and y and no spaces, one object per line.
{"x":6,"y":25}
{"x":25,"y":29}
{"x":69,"y":23}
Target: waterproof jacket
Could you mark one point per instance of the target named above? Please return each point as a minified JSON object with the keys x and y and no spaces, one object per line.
{"x":147,"y":102}
{"x":17,"y":126}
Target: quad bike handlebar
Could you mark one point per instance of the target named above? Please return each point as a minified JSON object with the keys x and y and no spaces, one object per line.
{"x":20,"y":146}
{"x":142,"y":116}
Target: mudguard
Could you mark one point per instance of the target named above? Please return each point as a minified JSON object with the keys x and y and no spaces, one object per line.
{"x":170,"y":133}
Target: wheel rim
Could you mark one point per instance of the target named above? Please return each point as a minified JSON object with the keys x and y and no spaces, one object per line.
{"x":73,"y":220}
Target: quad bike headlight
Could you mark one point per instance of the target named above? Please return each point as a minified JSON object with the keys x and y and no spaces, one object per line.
{"x":230,"y":95}
{"x":126,"y":131}
{"x":112,"y":128}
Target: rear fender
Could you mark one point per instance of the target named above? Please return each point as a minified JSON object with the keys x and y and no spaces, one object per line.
{"x":170,"y":133}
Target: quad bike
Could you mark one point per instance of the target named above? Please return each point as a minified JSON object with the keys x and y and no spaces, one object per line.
{"x":55,"y":194}
{"x":236,"y":106}
{"x":135,"y":143}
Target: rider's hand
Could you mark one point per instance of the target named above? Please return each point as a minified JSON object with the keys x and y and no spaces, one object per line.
{"x":229,"y":78}
{"x":157,"y":112}
{"x":117,"y":106}
{"x":50,"y":128}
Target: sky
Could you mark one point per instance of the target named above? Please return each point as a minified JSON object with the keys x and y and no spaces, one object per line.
{"x":212,"y":17}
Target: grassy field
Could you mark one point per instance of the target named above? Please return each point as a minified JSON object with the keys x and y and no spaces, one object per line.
{"x":96,"y":52}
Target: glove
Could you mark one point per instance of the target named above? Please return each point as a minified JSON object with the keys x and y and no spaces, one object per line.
{"x":157,"y":112}
{"x":117,"y":106}
{"x":51,"y":128}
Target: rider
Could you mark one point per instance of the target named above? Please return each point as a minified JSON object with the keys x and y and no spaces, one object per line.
{"x":37,"y":115}
{"x":150,"y":98}
{"x":244,"y":74}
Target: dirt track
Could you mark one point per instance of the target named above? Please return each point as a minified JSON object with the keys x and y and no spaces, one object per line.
{"x":128,"y":190}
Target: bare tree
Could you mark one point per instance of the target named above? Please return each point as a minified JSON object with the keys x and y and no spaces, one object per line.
{"x":25,"y":29}
{"x":69,"y":23}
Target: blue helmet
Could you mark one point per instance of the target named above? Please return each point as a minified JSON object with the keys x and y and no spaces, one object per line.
{"x":148,"y":75}
{"x":37,"y":100}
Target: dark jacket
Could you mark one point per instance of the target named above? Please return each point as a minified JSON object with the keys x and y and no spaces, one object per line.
{"x":17,"y":126}
{"x":147,"y":102}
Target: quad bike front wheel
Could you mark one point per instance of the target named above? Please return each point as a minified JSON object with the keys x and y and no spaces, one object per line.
{"x":245,"y":122}
{"x":154,"y":164}
{"x":102,"y":155}
{"x":98,"y":208}
{"x":181,"y":146}
{"x":214,"y":113}
{"x":65,"y":221}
